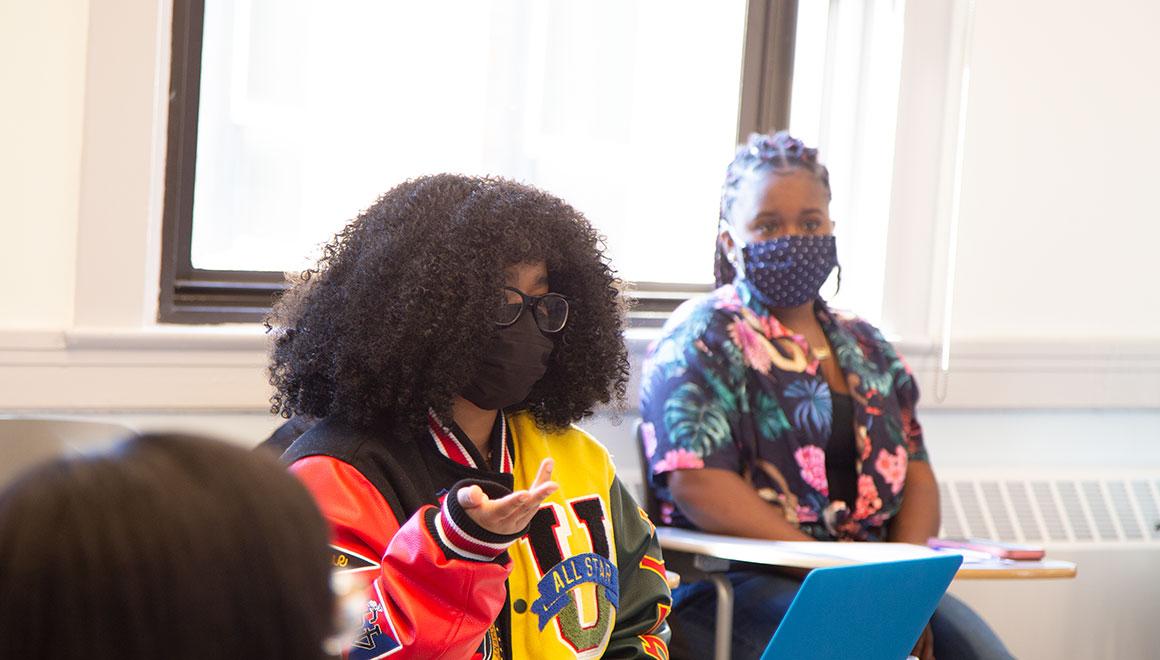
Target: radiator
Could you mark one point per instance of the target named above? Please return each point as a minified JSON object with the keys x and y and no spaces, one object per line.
{"x":1107,"y":521}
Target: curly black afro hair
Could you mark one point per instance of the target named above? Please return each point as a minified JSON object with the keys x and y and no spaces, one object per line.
{"x":396,"y":315}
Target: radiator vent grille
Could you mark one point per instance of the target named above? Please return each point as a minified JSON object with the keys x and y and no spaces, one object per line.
{"x":1053,"y":510}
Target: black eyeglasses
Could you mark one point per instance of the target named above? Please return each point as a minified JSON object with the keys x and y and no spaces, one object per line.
{"x":550,"y":310}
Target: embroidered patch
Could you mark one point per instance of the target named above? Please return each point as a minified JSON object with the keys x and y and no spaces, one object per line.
{"x":557,"y":585}
{"x":577,"y":593}
{"x":347,"y":561}
{"x":655,"y":565}
{"x":378,"y":638}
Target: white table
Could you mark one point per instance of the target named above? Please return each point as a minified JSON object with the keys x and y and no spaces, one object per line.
{"x":719,"y":550}
{"x":804,"y":554}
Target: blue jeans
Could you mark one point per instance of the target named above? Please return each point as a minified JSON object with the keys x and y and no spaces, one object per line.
{"x":760,"y":600}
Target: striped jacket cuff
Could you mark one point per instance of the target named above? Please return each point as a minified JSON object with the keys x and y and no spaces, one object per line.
{"x":462,"y":536}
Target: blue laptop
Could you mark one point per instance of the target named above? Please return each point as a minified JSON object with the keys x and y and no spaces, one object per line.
{"x":865,"y":611}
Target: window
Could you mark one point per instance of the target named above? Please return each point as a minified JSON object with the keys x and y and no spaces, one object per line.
{"x":289,"y":116}
{"x":307,"y":115}
{"x":847,"y":70}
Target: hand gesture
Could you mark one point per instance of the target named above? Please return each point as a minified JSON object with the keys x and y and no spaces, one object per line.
{"x":510,"y":513}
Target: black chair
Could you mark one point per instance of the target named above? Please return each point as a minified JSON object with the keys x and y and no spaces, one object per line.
{"x":285,"y":435}
{"x":692,"y":566}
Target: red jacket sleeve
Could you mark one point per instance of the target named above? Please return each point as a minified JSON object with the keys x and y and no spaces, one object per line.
{"x":436,"y":583}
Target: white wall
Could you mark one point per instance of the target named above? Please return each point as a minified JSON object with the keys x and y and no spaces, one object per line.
{"x":42,"y":84}
{"x":1053,"y":301}
{"x":1059,"y":218}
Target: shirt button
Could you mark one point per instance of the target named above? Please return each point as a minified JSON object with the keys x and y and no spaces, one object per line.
{"x":520,"y":606}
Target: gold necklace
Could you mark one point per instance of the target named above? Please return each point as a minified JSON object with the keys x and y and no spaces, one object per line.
{"x":821,"y":353}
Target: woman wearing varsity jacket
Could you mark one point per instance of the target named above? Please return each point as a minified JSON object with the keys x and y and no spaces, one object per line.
{"x":448,"y":340}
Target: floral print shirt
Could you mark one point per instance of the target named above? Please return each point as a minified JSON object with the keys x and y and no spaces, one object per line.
{"x":728,"y":386}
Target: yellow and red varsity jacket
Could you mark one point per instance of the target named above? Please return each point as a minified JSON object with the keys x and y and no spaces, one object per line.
{"x":586,"y":580}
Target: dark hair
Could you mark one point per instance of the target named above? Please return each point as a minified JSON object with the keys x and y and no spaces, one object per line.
{"x":167,"y":546}
{"x":760,"y":155}
{"x":397,"y":314}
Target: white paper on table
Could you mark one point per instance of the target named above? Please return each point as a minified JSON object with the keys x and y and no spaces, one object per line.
{"x":864,"y":553}
{"x":801,"y":554}
{"x":973,"y":556}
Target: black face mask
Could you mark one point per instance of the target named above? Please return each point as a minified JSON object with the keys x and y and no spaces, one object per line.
{"x":517,"y":360}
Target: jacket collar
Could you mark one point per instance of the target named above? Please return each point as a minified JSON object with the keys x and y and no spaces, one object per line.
{"x":453,"y":443}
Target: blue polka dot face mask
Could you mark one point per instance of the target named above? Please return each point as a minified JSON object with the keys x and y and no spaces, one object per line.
{"x":789,"y":270}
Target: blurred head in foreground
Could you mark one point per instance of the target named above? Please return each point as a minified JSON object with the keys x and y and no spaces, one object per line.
{"x":167,"y":546}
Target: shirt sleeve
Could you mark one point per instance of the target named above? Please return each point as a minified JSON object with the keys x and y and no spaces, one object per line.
{"x":435,"y":583}
{"x":903,"y":385}
{"x":642,"y":630}
{"x":690,"y":398}
{"x":906,"y":389}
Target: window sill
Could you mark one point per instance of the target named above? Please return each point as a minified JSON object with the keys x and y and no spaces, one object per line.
{"x":230,"y":337}
{"x":223,"y":368}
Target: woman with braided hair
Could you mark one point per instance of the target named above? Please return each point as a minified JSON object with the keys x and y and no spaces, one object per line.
{"x":766,"y":414}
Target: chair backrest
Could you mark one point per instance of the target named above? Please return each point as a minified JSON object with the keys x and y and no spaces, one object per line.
{"x":285,"y":435}
{"x":651,"y":505}
{"x":26,"y":441}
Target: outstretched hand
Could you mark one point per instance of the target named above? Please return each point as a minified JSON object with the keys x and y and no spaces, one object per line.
{"x":513,"y":512}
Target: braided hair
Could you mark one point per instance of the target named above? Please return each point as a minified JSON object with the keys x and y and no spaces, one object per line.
{"x":760,"y":155}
